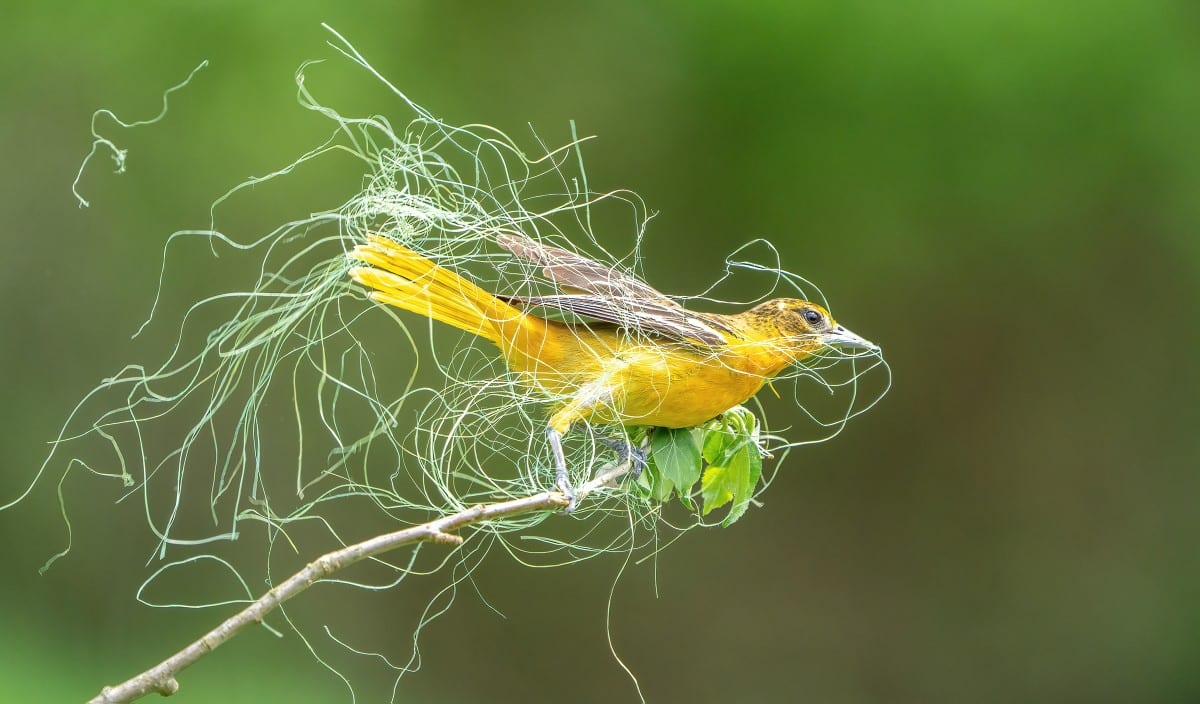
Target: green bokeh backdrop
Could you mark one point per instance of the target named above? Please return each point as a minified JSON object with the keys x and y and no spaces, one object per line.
{"x":1005,"y":195}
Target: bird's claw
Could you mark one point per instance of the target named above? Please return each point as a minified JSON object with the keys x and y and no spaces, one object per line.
{"x":638,"y":457}
{"x":627,"y":452}
{"x":564,"y":487}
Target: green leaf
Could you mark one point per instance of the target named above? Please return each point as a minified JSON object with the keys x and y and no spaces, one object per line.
{"x":716,"y":489}
{"x":675,"y":457}
{"x":719,"y":445}
{"x":749,"y":470}
{"x":643,"y":486}
{"x":735,"y":466}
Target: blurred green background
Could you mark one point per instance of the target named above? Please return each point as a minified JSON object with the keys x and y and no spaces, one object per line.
{"x":1005,"y":195}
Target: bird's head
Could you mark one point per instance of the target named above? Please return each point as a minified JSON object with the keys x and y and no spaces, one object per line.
{"x":805,"y":327}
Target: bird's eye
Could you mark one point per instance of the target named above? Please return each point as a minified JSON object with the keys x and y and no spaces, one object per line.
{"x":812,"y":317}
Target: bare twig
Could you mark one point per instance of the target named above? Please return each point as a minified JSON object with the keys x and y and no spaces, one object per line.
{"x":162,"y":677}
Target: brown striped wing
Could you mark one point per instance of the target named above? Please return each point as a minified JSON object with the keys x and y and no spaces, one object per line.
{"x":593,"y":290}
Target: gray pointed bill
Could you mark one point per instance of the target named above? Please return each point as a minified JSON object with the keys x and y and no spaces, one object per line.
{"x":843,"y":337}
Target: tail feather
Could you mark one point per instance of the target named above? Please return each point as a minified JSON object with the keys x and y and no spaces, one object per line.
{"x":400,"y":277}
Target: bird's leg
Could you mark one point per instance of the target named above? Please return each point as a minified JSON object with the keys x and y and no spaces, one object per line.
{"x":561,"y":481}
{"x":586,"y":399}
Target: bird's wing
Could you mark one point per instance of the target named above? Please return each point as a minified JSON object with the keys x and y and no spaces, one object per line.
{"x":572,"y":271}
{"x":597,"y":291}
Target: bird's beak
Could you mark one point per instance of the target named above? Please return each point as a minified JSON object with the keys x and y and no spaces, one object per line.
{"x":842,"y":336}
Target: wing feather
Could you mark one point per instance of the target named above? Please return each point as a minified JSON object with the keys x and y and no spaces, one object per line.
{"x":570,"y":270}
{"x":599,"y":292}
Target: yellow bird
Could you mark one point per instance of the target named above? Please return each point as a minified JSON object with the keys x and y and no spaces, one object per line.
{"x":648,"y":362}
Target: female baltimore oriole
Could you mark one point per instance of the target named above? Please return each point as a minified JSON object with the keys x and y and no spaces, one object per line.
{"x":677,"y":370}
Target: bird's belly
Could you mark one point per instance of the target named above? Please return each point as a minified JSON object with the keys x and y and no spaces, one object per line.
{"x":610,"y":379}
{"x":677,"y":392}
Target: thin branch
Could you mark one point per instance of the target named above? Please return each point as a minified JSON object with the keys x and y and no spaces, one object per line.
{"x":162,"y":677}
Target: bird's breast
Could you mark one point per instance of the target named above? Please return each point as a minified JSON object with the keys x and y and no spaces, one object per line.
{"x":647,"y":382}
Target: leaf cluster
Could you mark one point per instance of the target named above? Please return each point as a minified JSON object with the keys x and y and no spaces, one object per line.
{"x":720,"y":463}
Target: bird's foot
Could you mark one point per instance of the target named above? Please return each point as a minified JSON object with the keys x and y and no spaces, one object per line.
{"x":638,"y":457}
{"x":627,"y":452}
{"x":563,"y":485}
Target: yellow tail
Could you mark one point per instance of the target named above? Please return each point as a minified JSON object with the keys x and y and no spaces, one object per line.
{"x":407,"y":280}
